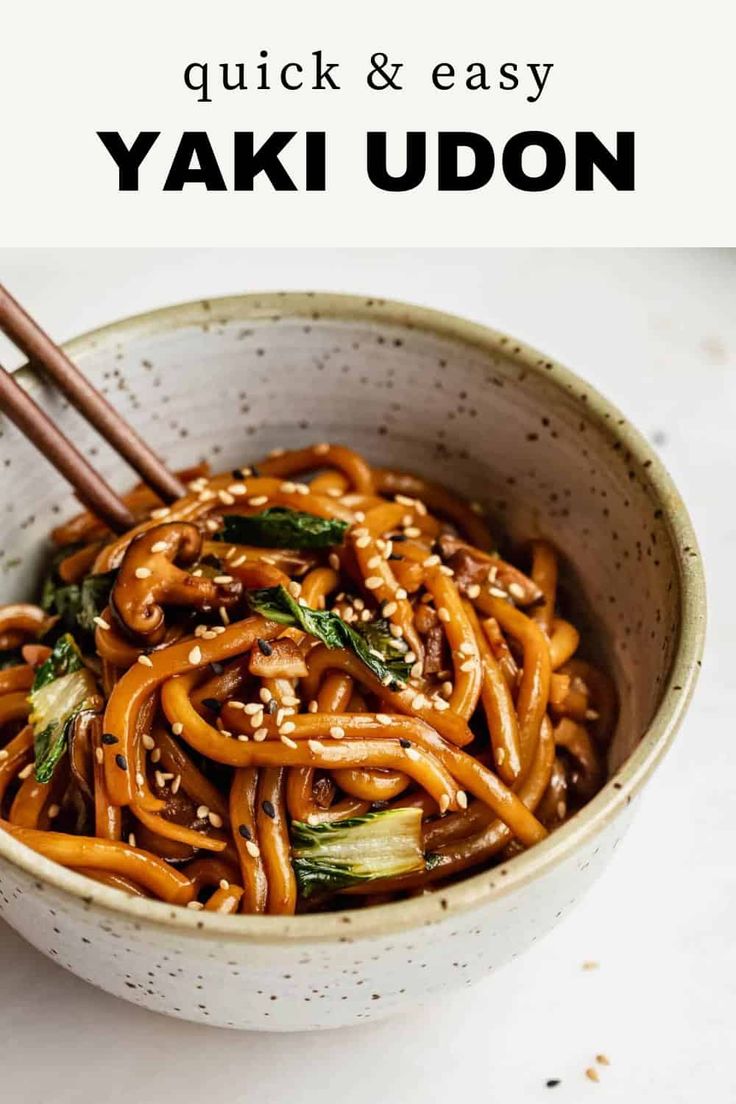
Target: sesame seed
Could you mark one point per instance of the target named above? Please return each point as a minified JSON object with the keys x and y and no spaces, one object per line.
{"x":280,"y":714}
{"x":516,"y":590}
{"x":410,"y":657}
{"x":259,"y":735}
{"x":462,"y":799}
{"x":363,"y":542}
{"x":54,"y":810}
{"x":321,"y":449}
{"x":139,"y":778}
{"x":373,"y":582}
{"x":156,"y":755}
{"x":176,"y":784}
{"x":160,"y":512}
{"x":145,"y":660}
{"x":252,"y":707}
{"x":315,"y":745}
{"x":592,"y":1074}
{"x":395,"y":630}
{"x":496,"y":592}
{"x":224,"y":883}
{"x":389,"y":609}
{"x":412,"y":531}
{"x":222,"y":579}
{"x":334,"y":561}
{"x":131,"y":839}
{"x":603,"y":1059}
{"x":473,"y":590}
{"x":313,"y":706}
{"x":420,"y":508}
{"x":466,"y":648}
{"x":215,"y":820}
{"x":288,"y":487}
{"x":383,"y":718}
{"x":237,"y":489}
{"x":195,"y":655}
{"x":400,"y":593}
{"x":444,"y":803}
{"x":252,"y":849}
{"x":287,"y":740}
{"x":590,"y":965}
{"x":159,"y":779}
{"x":197,"y":906}
{"x":148,"y":742}
{"x":404,"y":500}
{"x":121,"y":761}
{"x":177,"y":728}
{"x":258,"y":500}
{"x":101,"y":623}
{"x":561,"y":810}
{"x":294,"y":588}
{"x":388,"y":549}
{"x":223,"y":615}
{"x":417,"y":701}
{"x":99,"y":755}
{"x":301,"y":488}
{"x":203,"y":811}
{"x":591,"y":714}
{"x":268,"y":809}
{"x":359,"y":515}
{"x":412,"y":753}
{"x":211,"y":525}
{"x":500,"y":756}
{"x":289,"y":699}
{"x":417,"y":669}
{"x":468,"y":665}
{"x":432,"y":561}
{"x":226,"y":498}
{"x":445,"y":570}
{"x":240,"y":560}
{"x":286,"y":728}
{"x":334,"y":492}
{"x":27,"y":771}
{"x":5,"y":754}
{"x":336,"y":732}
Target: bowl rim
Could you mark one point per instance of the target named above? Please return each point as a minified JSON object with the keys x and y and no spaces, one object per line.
{"x":489,"y":885}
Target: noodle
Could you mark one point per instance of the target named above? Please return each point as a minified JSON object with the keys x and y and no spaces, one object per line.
{"x":298,"y":686}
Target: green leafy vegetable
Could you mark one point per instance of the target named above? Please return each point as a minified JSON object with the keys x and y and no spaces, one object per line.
{"x":280,"y":527}
{"x":372,"y":642}
{"x":62,"y":688}
{"x":330,"y":857}
{"x":77,"y":604}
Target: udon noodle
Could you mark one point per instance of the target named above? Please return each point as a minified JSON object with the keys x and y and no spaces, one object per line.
{"x":277,"y":695}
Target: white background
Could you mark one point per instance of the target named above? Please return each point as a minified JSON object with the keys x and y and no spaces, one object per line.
{"x":659,"y":68}
{"x":656,"y":331}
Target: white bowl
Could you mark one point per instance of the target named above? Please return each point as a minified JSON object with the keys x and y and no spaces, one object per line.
{"x":229,"y":379}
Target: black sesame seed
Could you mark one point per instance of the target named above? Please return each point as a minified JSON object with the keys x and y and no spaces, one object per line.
{"x":398,"y":537}
{"x":553,"y":1082}
{"x":216,"y":668}
{"x":237,"y":473}
{"x":121,"y":761}
{"x":404,"y":743}
{"x":264,"y":647}
{"x":268,"y":809}
{"x":245,"y":831}
{"x":108,"y":738}
{"x":272,"y":707}
{"x":255,"y":471}
{"x":213,"y":704}
{"x":211,"y":561}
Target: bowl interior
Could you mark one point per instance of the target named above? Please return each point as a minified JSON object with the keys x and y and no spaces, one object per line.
{"x":228,"y":380}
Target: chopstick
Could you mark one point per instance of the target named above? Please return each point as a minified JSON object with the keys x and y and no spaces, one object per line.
{"x":91,"y":488}
{"x":25,"y":332}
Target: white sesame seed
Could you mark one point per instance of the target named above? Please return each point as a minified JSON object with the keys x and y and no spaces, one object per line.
{"x":516,"y":590}
{"x":388,"y":549}
{"x":27,"y":771}
{"x":440,"y":704}
{"x":334,"y":561}
{"x":259,"y":735}
{"x":288,"y":741}
{"x":224,"y":883}
{"x":99,"y":755}
{"x":403,"y":500}
{"x":139,"y":778}
{"x":418,"y":701}
{"x":561,"y":810}
{"x":395,"y":630}
{"x":337,"y":732}
{"x":462,"y":799}
{"x":148,"y":742}
{"x":410,"y":657}
{"x":334,"y":492}
{"x":53,"y":811}
{"x":591,"y":714}
{"x":501,"y":756}
{"x":363,"y":542}
{"x":224,"y":615}
{"x":258,"y":500}
{"x":177,"y":728}
{"x":145,"y":660}
{"x":197,"y":906}
{"x":473,"y":590}
{"x":420,"y":508}
{"x":252,"y":707}
{"x":288,"y":487}
{"x":445,"y":570}
{"x":286,"y":728}
{"x":466,"y":648}
{"x":195,"y":655}
{"x":203,"y":811}
{"x":313,"y":706}
{"x":280,"y":714}
{"x":411,"y":753}
{"x":159,"y":779}
{"x":276,"y":452}
{"x":256,"y":719}
{"x":444,"y":614}
{"x":226,"y":498}
{"x":444,"y":802}
{"x":431,"y":561}
{"x":240,"y":560}
{"x":417,"y":669}
{"x":160,"y":512}
{"x":294,"y":588}
{"x":252,"y":849}
{"x":373,"y":582}
{"x":211,"y":525}
{"x":131,"y":839}
{"x":222,"y":579}
{"x":359,"y":515}
{"x":412,"y":532}
{"x":315,"y":745}
{"x":400,"y":593}
{"x":468,"y":665}
{"x":5,"y":754}
{"x":383,"y":718}
{"x":176,"y":784}
{"x":374,"y":561}
{"x":101,"y":623}
{"x":237,"y":489}
{"x":446,"y":688}
{"x":215,"y":820}
{"x":496,"y":592}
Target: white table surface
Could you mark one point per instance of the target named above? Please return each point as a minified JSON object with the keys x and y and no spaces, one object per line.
{"x":656,"y":331}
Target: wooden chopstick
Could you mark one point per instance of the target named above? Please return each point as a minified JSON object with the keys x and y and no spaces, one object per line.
{"x":92,"y":489}
{"x":25,"y":332}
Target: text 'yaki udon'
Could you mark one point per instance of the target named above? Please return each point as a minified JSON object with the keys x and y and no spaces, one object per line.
{"x":276,"y":696}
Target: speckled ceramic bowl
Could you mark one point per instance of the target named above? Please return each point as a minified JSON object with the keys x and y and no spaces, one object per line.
{"x":232,"y":378}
